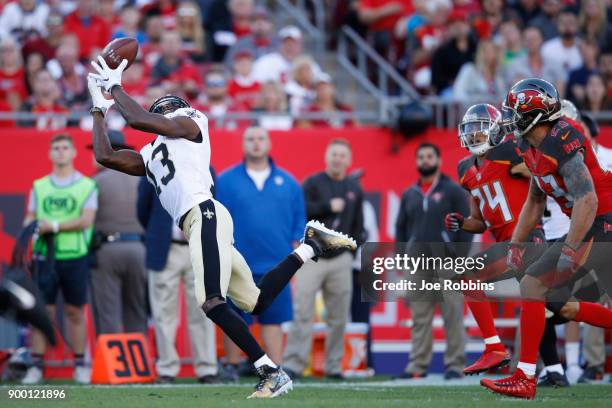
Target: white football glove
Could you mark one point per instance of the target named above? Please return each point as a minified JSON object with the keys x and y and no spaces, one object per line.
{"x":108,"y":77}
{"x":98,"y":99}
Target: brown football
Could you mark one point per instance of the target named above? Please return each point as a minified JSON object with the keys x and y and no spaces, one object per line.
{"x":120,"y":49}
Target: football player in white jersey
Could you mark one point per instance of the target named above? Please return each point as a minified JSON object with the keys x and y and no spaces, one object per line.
{"x":177,"y":164}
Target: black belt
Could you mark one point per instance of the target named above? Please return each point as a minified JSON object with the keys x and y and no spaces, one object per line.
{"x":180,"y":242}
{"x":122,"y":237}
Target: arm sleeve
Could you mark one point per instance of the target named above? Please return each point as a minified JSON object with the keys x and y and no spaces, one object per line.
{"x":144,"y":202}
{"x":562,"y":143}
{"x":315,"y":206}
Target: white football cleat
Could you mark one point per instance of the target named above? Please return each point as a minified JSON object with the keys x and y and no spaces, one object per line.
{"x":33,"y":376}
{"x":82,"y":374}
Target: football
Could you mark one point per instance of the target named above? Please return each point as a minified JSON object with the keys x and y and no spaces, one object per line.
{"x":120,"y":49}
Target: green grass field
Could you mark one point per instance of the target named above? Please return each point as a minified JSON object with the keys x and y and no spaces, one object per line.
{"x":312,"y":394}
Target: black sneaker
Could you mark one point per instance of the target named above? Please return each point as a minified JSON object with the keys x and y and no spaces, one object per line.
{"x":554,"y":379}
{"x":229,"y":373}
{"x":292,"y":374}
{"x":590,"y":374}
{"x":272,"y":383}
{"x":165,"y":379}
{"x":335,"y":376}
{"x":452,"y":375}
{"x":323,"y":239}
{"x":209,"y":379}
{"x":410,"y":376}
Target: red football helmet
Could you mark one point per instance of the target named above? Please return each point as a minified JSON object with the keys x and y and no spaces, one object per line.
{"x":529,"y":102}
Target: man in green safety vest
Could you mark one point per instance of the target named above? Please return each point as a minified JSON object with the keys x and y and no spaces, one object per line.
{"x":65,"y":204}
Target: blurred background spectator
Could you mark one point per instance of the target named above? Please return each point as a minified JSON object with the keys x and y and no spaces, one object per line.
{"x":276,"y":66}
{"x":91,"y":30}
{"x":189,"y":26}
{"x":300,"y":87}
{"x":577,"y":78}
{"x":12,"y":74}
{"x":45,"y":99}
{"x":243,"y":87}
{"x":46,"y":45}
{"x":73,"y":80}
{"x":563,"y":50}
{"x":596,"y":98}
{"x":129,"y":25}
{"x":326,"y":102}
{"x":173,"y":71}
{"x":23,"y":20}
{"x":272,"y":108}
{"x":481,"y":80}
{"x":260,"y":41}
{"x":457,"y":50}
{"x":594,"y":24}
{"x":546,"y":21}
{"x":228,"y":21}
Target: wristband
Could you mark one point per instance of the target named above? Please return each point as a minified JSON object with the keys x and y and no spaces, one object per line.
{"x":95,"y":109}
{"x":55,"y":226}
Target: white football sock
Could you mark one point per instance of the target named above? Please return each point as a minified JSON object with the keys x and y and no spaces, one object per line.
{"x":305,"y":252}
{"x":555,"y":368}
{"x":492,"y":340}
{"x":572,"y":353}
{"x":527,"y":368}
{"x":264,"y":360}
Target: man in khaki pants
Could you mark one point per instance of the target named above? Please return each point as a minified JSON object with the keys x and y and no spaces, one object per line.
{"x":169,"y":263}
{"x":336,"y":200}
{"x":421,"y":220}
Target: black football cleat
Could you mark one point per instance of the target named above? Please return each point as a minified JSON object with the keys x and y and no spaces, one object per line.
{"x":554,"y":380}
{"x":323,"y":239}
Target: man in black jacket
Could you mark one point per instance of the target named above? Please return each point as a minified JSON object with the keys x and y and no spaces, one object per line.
{"x":421,"y":220}
{"x":335,"y":200}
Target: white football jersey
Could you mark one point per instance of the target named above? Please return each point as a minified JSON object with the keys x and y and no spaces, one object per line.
{"x":179,"y":168}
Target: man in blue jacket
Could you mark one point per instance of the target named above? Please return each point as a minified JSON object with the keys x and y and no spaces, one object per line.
{"x":267,"y":206}
{"x":168,"y":262}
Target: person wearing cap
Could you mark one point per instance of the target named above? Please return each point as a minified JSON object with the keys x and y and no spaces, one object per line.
{"x":65,"y":204}
{"x":118,"y":280}
{"x":260,"y":41}
{"x":243,"y":88}
{"x":459,"y":48}
{"x":276,"y":66}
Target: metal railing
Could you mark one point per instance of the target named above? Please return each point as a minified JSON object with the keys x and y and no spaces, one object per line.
{"x":299,"y":12}
{"x":359,"y":59}
{"x":58,"y":120}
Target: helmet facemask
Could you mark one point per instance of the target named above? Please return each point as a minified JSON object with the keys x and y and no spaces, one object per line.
{"x":478,"y":136}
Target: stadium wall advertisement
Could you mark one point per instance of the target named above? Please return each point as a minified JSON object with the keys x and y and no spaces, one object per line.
{"x":388,"y":168}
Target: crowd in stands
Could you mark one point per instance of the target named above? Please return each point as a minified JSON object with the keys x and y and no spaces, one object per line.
{"x":224,"y":56}
{"x":473,"y":50}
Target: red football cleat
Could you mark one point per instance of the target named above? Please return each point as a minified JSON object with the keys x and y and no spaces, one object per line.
{"x":489,"y":360}
{"x":517,"y":385}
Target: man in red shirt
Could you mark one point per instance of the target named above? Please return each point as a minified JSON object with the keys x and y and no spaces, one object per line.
{"x":12,"y":76}
{"x":243,"y":87}
{"x":93,"y":32}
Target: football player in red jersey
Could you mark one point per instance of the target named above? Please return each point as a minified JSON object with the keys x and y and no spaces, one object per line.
{"x":563,"y":165}
{"x":498,"y":181}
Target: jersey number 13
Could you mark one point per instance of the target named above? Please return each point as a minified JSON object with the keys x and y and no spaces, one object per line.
{"x":166,"y":162}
